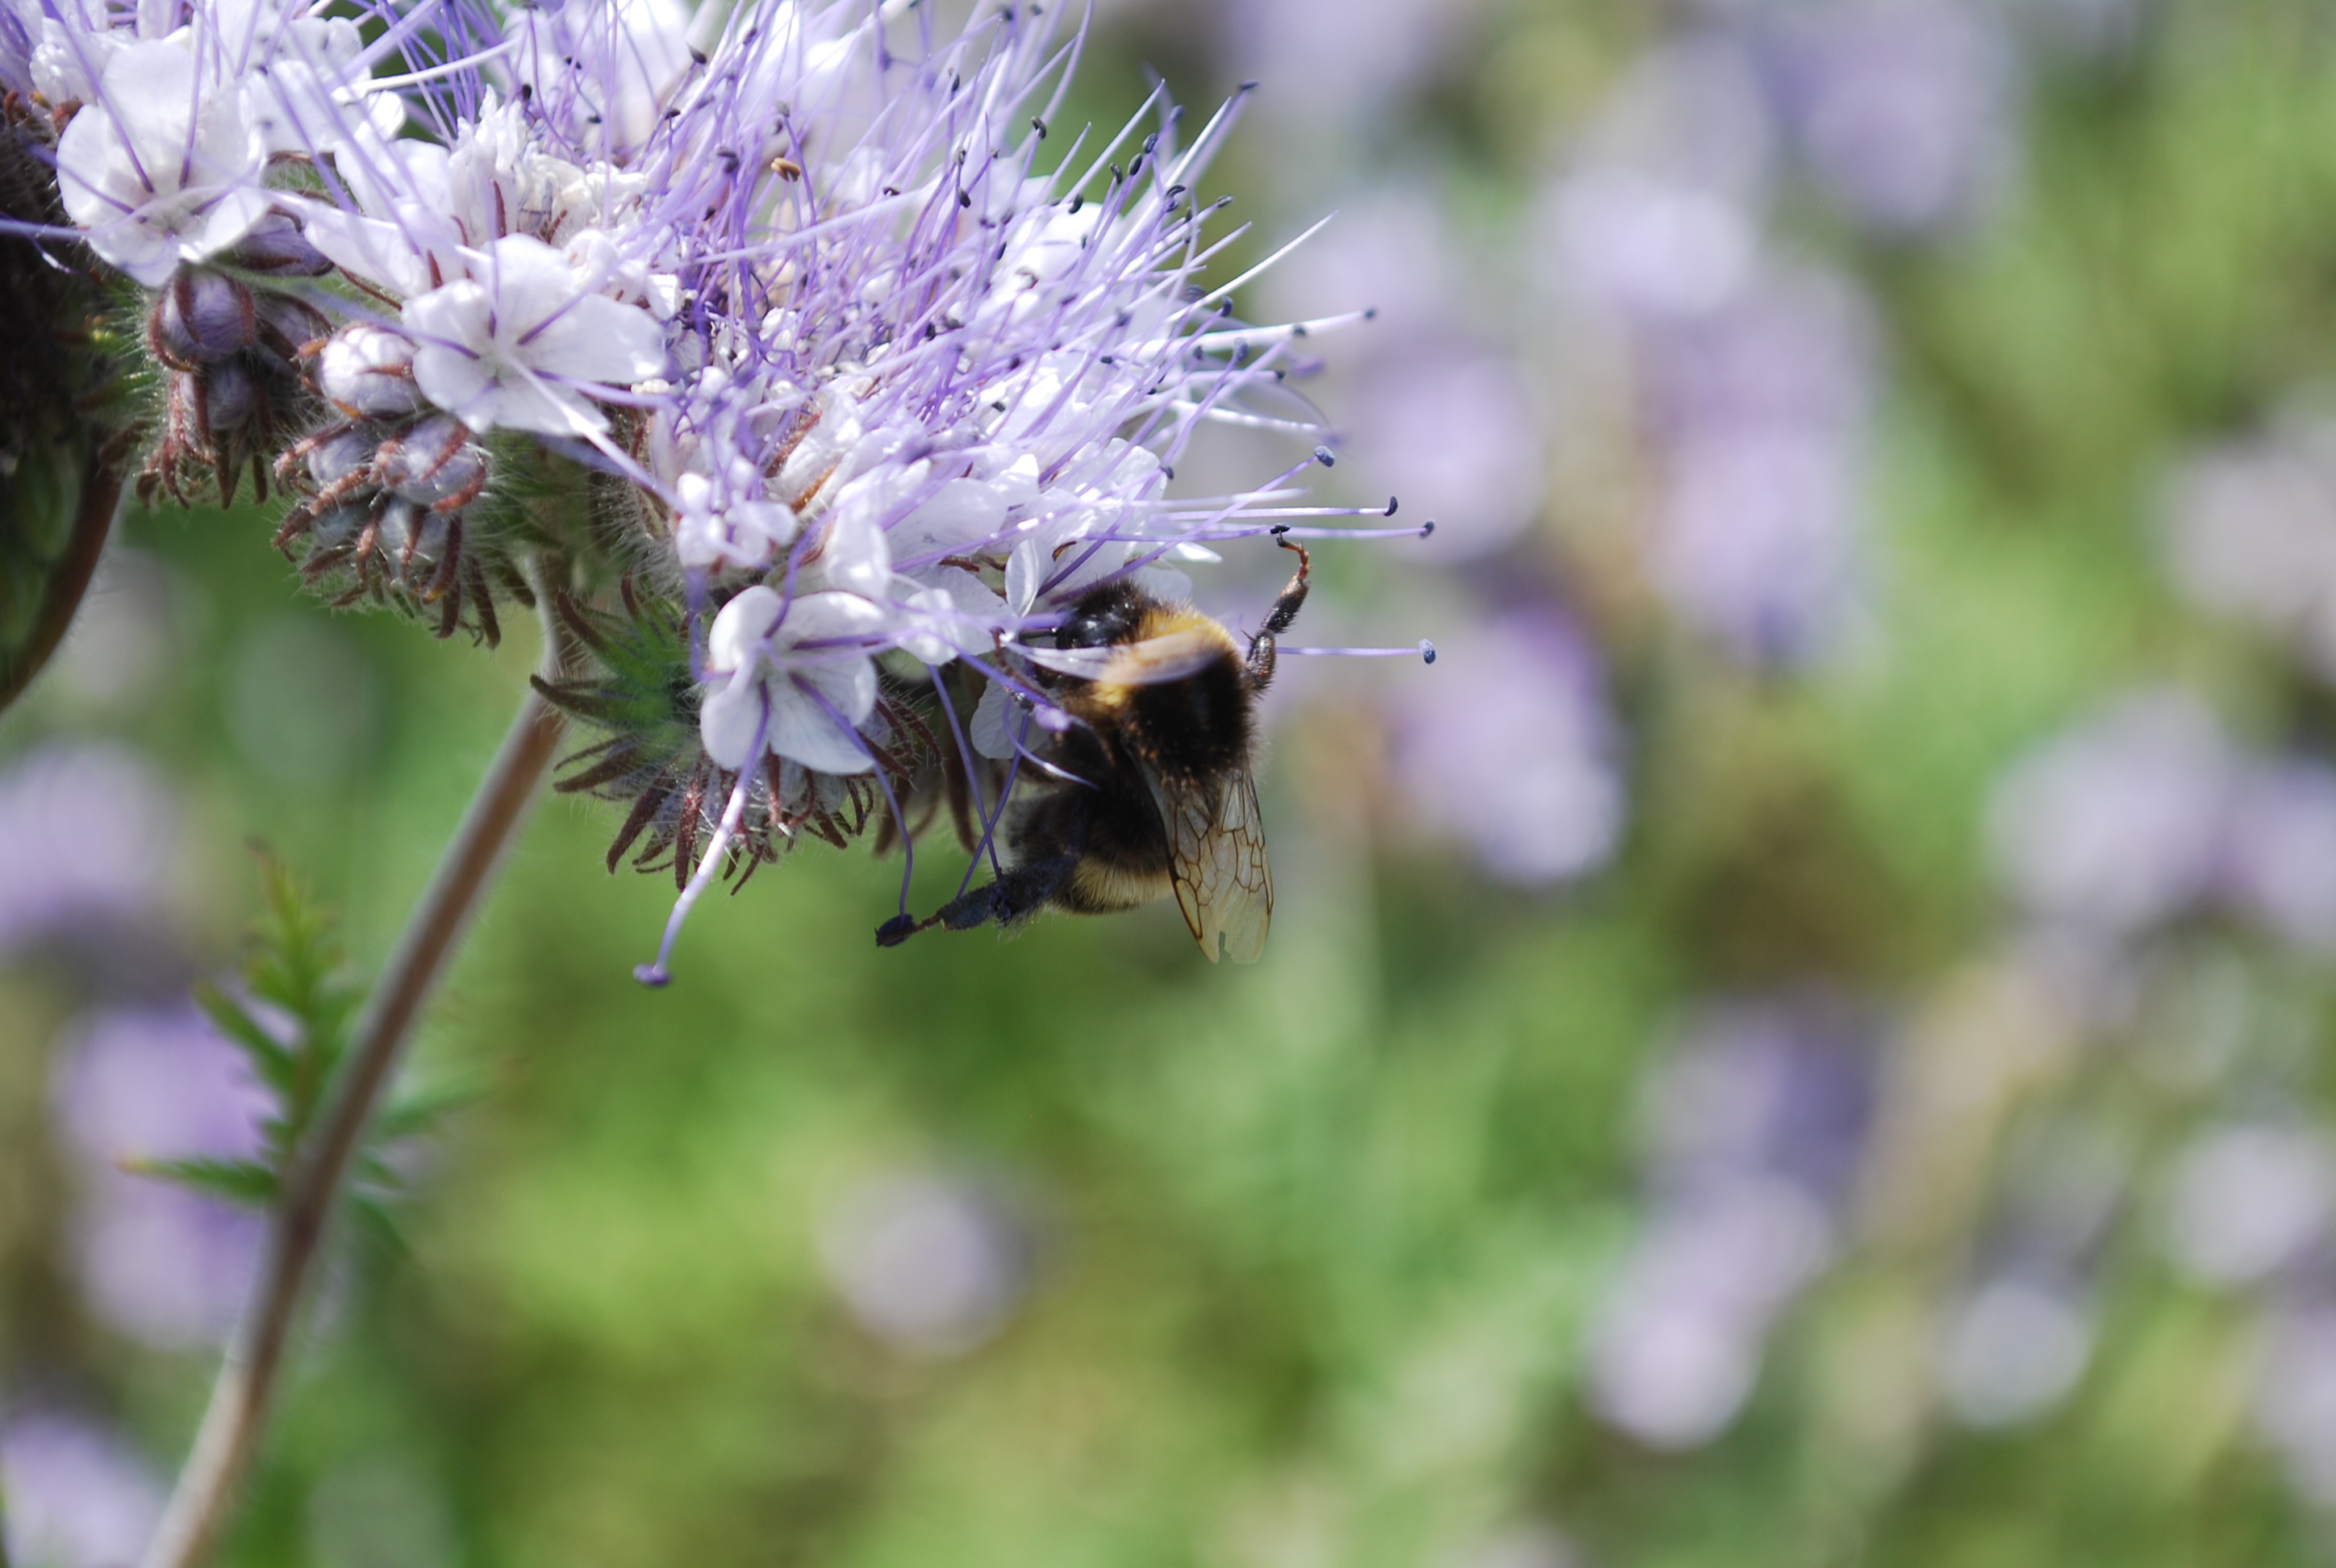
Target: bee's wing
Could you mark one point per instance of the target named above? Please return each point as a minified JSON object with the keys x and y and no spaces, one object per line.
{"x":1216,"y":860}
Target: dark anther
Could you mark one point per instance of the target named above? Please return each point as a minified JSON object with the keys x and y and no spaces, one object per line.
{"x":1427,"y":528}
{"x":1325,"y":457}
{"x":1168,"y":471}
{"x":697,"y":55}
{"x":1372,"y":314}
{"x":1175,"y":190}
{"x":965,"y":199}
{"x":1115,"y":175}
{"x":1390,"y":511}
{"x":1039,"y":125}
{"x":1078,"y":201}
{"x":1150,"y":142}
{"x":1249,"y":86}
{"x":1277,"y":529}
{"x":1135,"y":166}
{"x":1427,"y":651}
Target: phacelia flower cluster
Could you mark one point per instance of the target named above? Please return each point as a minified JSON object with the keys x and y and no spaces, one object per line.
{"x":786,"y":355}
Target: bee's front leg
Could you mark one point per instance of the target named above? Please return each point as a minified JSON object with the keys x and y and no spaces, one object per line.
{"x":1281,"y":617}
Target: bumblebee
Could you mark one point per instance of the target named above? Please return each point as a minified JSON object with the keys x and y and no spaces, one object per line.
{"x":1151,"y":791}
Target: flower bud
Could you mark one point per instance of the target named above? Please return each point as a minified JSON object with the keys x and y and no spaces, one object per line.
{"x":201,"y":317}
{"x":277,"y":248}
{"x":412,"y":542}
{"x":338,"y":527}
{"x":333,"y":460}
{"x":231,"y":393}
{"x":436,"y":461}
{"x":286,"y":323}
{"x":368,"y":372}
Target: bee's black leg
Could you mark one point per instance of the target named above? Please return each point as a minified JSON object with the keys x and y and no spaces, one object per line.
{"x":1020,"y":892}
{"x":1284,"y":613}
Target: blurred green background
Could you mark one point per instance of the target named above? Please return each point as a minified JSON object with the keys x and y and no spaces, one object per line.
{"x":1072,"y":1249}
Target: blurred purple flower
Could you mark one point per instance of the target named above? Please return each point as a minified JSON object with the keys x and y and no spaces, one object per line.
{"x":1761,"y":409}
{"x":1783,"y":1087}
{"x":1434,"y":412}
{"x":2251,"y":532}
{"x":2115,"y":824}
{"x":1339,"y":60}
{"x":86,"y":835}
{"x":1659,"y":219}
{"x":1507,"y":745}
{"x":1757,"y":1126}
{"x":2013,"y":1345}
{"x":2295,"y":1397}
{"x":1454,"y":425}
{"x":2278,"y":867}
{"x":77,"y":1495}
{"x":930,"y":1263}
{"x":1903,"y":110}
{"x":160,"y":1265}
{"x":1679,"y":1340}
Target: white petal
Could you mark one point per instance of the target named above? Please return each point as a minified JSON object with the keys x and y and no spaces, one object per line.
{"x":727,"y":718}
{"x":995,"y":720}
{"x":802,"y":729}
{"x":457,"y":380}
{"x":596,"y":339}
{"x":1026,"y":569}
{"x":230,"y":218}
{"x":826,"y":617}
{"x":856,"y":558}
{"x":742,"y":624}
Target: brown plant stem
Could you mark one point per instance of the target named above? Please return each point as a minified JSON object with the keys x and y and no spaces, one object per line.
{"x":94,"y":514}
{"x":204,"y":1497}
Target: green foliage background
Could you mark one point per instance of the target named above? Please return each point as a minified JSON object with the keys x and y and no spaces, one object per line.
{"x":1319,"y":1240}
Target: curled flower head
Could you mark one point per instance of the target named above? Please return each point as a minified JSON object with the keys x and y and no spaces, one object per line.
{"x":765,"y":341}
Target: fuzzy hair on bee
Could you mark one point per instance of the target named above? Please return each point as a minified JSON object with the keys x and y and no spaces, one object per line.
{"x":1150,"y":791}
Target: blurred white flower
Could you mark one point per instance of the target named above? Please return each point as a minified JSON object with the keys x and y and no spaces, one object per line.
{"x":2246,"y":1200}
{"x":2012,"y":1350}
{"x":930,"y":1263}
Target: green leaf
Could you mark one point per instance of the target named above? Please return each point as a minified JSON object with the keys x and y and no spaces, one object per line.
{"x":419,"y":1111}
{"x":275,"y":1063}
{"x":374,"y":1218}
{"x":246,"y":1181}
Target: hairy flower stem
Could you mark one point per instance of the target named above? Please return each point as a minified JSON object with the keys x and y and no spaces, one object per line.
{"x":232,"y":1423}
